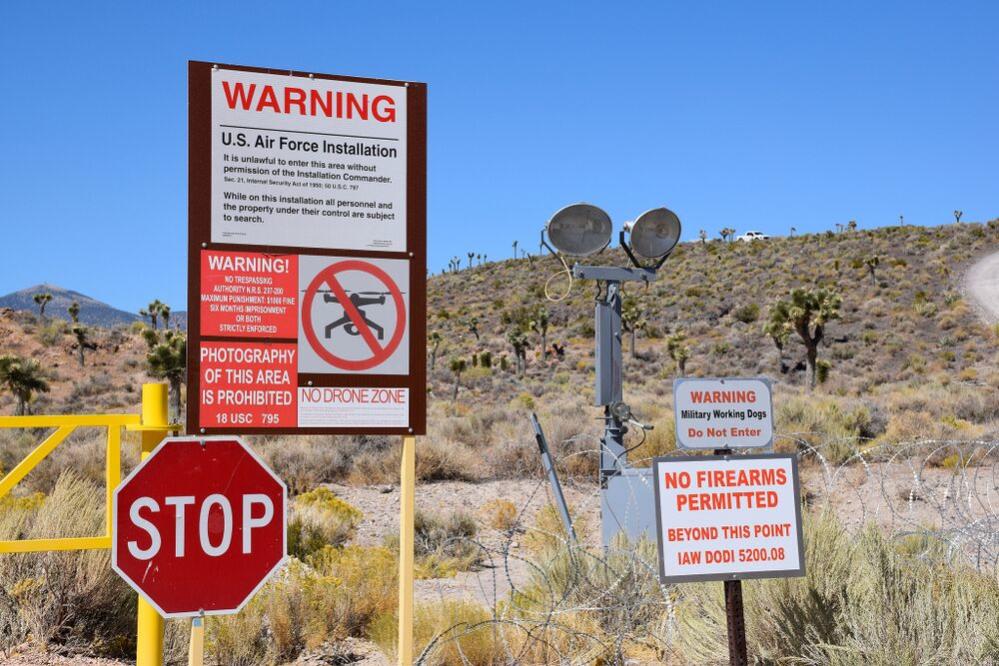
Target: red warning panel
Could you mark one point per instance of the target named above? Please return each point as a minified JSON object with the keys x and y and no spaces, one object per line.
{"x":249,"y":295}
{"x":248,"y":384}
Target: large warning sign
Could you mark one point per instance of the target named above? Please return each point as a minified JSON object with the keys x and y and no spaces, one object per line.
{"x":728,"y":517}
{"x":307,"y":253}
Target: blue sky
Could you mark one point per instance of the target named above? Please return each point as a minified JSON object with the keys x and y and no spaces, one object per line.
{"x":750,"y":115}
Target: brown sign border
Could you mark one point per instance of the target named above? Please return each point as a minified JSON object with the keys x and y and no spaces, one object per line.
{"x":199,"y":237}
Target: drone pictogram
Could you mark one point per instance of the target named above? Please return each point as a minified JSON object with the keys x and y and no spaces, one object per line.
{"x":359,"y":299}
{"x":373,"y":318}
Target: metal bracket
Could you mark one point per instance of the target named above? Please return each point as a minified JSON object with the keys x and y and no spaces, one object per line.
{"x":613,"y":273}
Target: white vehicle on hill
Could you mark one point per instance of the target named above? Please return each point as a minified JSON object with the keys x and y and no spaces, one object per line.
{"x":753,"y":235}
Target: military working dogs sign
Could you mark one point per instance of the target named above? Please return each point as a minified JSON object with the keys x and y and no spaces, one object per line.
{"x":307,"y":253}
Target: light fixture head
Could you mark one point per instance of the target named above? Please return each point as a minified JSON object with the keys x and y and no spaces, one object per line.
{"x":655,"y":233}
{"x":580,"y":230}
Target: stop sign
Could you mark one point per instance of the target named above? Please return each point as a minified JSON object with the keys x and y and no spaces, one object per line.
{"x":199,"y":526}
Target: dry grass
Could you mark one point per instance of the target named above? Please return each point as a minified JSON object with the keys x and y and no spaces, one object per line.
{"x":67,"y":599}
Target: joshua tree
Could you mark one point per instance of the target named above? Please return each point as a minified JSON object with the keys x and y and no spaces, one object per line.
{"x":154,"y":312}
{"x":793,"y":231}
{"x":518,"y":341}
{"x":727,"y":233}
{"x":901,"y":220}
{"x":458,"y":366}
{"x":807,"y":312}
{"x":839,"y":228}
{"x":165,"y":315}
{"x":80,"y":332}
{"x":539,"y":324}
{"x":471,"y":255}
{"x":703,"y":235}
{"x":872,"y":266}
{"x":779,"y":332}
{"x":473,"y":327}
{"x":167,"y":359}
{"x":74,"y":312}
{"x":515,"y":249}
{"x":485,"y":258}
{"x":41,"y":300}
{"x":679,"y":352}
{"x":852,"y":225}
{"x":144,"y":313}
{"x":435,"y":340}
{"x":957,"y":215}
{"x":631,"y":319}
{"x":23,"y":378}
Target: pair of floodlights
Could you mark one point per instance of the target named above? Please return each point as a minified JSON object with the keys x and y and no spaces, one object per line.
{"x":581,"y":230}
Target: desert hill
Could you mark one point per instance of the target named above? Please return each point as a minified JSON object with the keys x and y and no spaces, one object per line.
{"x":92,"y":311}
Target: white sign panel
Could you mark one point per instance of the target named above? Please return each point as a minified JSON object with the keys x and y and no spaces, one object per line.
{"x":354,"y":316}
{"x":728,"y":517}
{"x":723,"y":413}
{"x":357,"y":407}
{"x":302,"y":162}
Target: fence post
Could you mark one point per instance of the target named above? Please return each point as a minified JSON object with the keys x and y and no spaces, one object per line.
{"x":149,"y":641}
{"x":407,"y":508}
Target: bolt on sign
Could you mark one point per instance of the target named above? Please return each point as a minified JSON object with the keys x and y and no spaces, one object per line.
{"x":307,"y":253}
{"x":731,"y":413}
{"x":728,"y":517}
{"x":199,"y":526}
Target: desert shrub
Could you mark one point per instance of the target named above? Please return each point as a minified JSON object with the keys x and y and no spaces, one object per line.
{"x":500,"y":514}
{"x":444,"y":633}
{"x":835,"y":428}
{"x":320,"y":518}
{"x":364,"y":585}
{"x":748,"y":313}
{"x":548,"y":532}
{"x":864,"y":600}
{"x":445,"y":545}
{"x":336,"y":594}
{"x":69,"y":598}
{"x":659,"y":441}
{"x":52,"y":332}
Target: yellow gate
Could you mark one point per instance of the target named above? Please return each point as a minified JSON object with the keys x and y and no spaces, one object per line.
{"x":154,"y":426}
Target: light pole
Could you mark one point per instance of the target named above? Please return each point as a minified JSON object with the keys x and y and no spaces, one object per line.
{"x":582,"y":230}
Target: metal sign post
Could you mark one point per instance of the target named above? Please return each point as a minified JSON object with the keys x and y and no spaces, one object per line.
{"x":735,"y":617}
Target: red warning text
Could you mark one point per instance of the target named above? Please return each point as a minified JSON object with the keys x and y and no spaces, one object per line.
{"x":720,"y":518}
{"x":247,"y":384}
{"x":249,"y":295}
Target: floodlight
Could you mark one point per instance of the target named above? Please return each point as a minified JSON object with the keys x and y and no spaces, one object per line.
{"x":580,"y":230}
{"x":655,"y":233}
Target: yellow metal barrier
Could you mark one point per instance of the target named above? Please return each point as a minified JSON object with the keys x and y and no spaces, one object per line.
{"x":64,"y":425}
{"x":154,"y":426}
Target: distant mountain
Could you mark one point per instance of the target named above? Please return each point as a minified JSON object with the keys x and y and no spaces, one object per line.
{"x":92,"y":311}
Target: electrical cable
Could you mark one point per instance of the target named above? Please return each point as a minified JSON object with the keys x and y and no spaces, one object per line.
{"x":568,"y":288}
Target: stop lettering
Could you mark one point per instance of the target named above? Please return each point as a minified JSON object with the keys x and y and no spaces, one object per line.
{"x":199,"y":526}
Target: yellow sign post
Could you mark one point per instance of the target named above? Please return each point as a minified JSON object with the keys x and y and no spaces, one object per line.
{"x":155,"y":423}
{"x":407,"y":512}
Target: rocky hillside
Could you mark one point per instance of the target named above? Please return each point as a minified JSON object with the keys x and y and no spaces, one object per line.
{"x":907,"y":319}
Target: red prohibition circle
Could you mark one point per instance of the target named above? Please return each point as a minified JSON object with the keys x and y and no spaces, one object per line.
{"x":379,"y":354}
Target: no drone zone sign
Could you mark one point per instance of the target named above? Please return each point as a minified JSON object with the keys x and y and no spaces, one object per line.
{"x":306,"y":253}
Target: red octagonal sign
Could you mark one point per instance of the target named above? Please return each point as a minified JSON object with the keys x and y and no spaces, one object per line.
{"x":199,"y":526}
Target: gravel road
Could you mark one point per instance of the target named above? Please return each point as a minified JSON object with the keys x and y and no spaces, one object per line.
{"x":982,"y":285}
